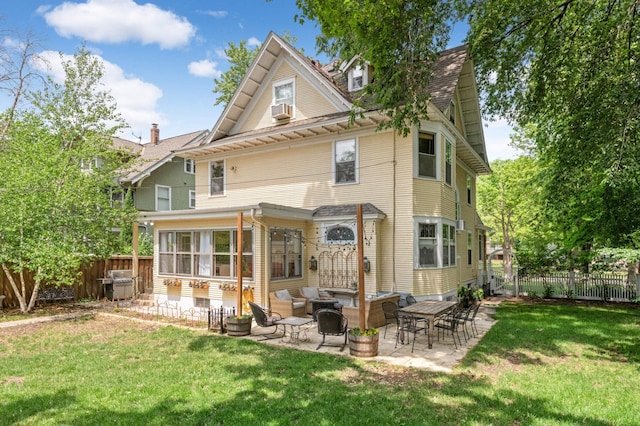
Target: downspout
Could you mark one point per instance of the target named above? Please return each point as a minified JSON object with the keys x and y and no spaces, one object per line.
{"x":393,"y":239}
{"x":265,"y":295}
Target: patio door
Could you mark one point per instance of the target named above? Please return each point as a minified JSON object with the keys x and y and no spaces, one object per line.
{"x":338,"y":269}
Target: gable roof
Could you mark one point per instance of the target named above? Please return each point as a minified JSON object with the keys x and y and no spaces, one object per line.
{"x":153,"y":156}
{"x":453,"y":69}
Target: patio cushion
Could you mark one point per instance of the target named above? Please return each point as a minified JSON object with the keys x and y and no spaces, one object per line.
{"x":283,"y":294}
{"x":310,"y":292}
{"x":299,"y":305}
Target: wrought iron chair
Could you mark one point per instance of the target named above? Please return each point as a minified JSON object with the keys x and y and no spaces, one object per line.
{"x":407,"y":324}
{"x":331,"y":323}
{"x":266,"y":319}
{"x":389,"y":309}
{"x":449,"y":322}
{"x":412,"y":301}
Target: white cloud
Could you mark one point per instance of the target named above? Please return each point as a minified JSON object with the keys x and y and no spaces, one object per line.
{"x":253,"y":42}
{"x":216,"y":13}
{"x":118,"y":21}
{"x":136,"y":99}
{"x":204,"y":68}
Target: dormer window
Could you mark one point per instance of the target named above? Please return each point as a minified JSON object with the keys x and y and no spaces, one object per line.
{"x":357,"y":78}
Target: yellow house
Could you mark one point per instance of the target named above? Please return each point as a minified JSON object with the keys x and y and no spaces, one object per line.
{"x":285,"y":155}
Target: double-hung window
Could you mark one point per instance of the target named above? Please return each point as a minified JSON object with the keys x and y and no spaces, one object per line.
{"x":286,"y":253}
{"x":427,"y":245}
{"x":468,"y":189}
{"x":469,"y":248}
{"x":448,"y":163}
{"x":183,"y":253}
{"x":192,"y":199}
{"x":436,"y":243}
{"x":427,"y":155}
{"x":357,"y":76}
{"x":345,"y":160}
{"x":284,"y":92}
{"x":163,"y":198}
{"x":190,"y":166}
{"x":217,"y":174}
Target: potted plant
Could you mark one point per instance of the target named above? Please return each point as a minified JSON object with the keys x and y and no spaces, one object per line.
{"x":363,"y":342}
{"x":239,"y":325}
{"x":465,"y":296}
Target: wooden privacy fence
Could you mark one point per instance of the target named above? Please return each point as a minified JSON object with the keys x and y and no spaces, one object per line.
{"x":88,"y":286}
{"x":575,"y":285}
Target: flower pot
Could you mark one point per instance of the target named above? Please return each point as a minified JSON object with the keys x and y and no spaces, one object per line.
{"x":363,"y":346}
{"x":238,"y":326}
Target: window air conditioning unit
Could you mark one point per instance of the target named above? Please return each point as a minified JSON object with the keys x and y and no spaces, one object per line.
{"x":460,"y":225}
{"x":280,"y":111}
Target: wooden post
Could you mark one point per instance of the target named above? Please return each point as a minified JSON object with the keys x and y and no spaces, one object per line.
{"x":239,"y":263}
{"x":361,"y":307}
{"x":134,"y":260}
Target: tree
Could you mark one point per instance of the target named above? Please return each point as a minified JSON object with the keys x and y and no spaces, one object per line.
{"x":509,"y":201}
{"x":240,"y":57}
{"x":59,"y":168}
{"x":572,"y":70}
{"x":400,"y":39}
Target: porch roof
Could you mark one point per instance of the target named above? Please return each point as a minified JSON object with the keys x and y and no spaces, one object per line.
{"x":262,"y":210}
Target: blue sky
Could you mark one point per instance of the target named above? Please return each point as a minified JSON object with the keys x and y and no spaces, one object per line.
{"x":161,"y":57}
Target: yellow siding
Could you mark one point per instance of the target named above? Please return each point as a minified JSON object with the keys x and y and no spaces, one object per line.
{"x":308,"y":101}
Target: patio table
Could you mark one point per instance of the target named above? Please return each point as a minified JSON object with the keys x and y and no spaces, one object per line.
{"x":296,"y":324}
{"x":430,"y":309}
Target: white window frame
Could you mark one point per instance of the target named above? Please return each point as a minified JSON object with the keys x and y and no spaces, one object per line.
{"x":355,"y":161}
{"x":291,"y":253}
{"x":448,"y":160}
{"x":224,"y":178}
{"x":284,"y":82}
{"x":168,"y":188}
{"x":469,"y":190}
{"x":436,"y":148}
{"x":190,"y":166}
{"x":357,"y":71}
{"x":192,"y":198}
{"x":440,"y":223}
{"x":469,"y":248}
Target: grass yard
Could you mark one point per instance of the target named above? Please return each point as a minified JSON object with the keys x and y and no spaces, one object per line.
{"x":541,"y":364}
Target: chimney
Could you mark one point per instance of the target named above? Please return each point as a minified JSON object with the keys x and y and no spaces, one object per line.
{"x":155,"y":134}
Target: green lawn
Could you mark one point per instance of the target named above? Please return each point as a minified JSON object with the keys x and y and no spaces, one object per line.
{"x":539,"y":365}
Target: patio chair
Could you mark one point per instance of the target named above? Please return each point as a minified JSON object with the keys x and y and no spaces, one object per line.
{"x":407,"y":324}
{"x":449,"y":322}
{"x":462,"y":316}
{"x":265,"y":319}
{"x":331,"y":323}
{"x":471,"y":318}
{"x":282,"y":302}
{"x":389,"y":309}
{"x":412,"y":301}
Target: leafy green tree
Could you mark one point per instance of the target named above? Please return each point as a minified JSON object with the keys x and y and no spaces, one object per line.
{"x":509,"y":201}
{"x":58,"y":171}
{"x":400,"y":39}
{"x":240,"y":56}
{"x":572,"y":70}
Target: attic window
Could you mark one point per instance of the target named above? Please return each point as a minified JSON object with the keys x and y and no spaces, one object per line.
{"x":357,"y":78}
{"x":452,"y":113}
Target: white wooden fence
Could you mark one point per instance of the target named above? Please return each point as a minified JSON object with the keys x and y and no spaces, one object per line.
{"x":573,"y":285}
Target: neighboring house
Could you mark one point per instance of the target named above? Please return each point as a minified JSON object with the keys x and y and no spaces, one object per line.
{"x":284,"y":154}
{"x":161,"y":181}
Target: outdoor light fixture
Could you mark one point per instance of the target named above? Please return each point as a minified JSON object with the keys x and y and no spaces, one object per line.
{"x":367,"y":264}
{"x":313,"y":263}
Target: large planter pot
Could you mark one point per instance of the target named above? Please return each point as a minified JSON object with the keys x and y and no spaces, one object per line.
{"x":238,"y":326}
{"x":363,"y":346}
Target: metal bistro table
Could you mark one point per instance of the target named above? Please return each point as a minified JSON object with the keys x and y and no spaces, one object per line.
{"x":295,"y":323}
{"x":430,"y":309}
